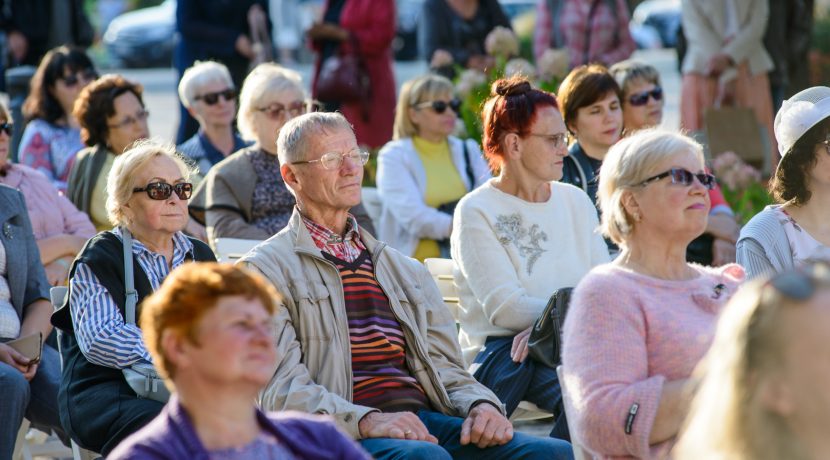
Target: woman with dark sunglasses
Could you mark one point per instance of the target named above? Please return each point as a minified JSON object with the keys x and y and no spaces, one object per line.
{"x":208,"y":93}
{"x":797,"y":229}
{"x":52,"y":136}
{"x":637,"y":327}
{"x":643,"y":103}
{"x":244,"y":196}
{"x":425,"y":170}
{"x":763,"y":385}
{"x":148,"y":188}
{"x":60,"y":229}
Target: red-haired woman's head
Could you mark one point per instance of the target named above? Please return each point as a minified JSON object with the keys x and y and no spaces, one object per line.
{"x":512,"y":108}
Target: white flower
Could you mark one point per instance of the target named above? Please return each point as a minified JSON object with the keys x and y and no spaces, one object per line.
{"x":469,"y":80}
{"x":554,"y":63}
{"x":501,"y":41}
{"x":796,"y":119}
{"x":519,"y":67}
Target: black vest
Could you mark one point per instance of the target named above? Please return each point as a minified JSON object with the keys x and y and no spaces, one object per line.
{"x":85,"y":386}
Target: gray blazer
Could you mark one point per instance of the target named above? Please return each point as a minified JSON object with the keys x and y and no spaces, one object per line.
{"x":24,"y":272}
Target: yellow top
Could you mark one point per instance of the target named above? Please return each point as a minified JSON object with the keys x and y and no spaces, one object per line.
{"x":98,"y":201}
{"x":444,"y":185}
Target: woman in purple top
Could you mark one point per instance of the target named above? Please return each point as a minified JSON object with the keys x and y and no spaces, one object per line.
{"x":210,"y":331}
{"x":53,"y":136}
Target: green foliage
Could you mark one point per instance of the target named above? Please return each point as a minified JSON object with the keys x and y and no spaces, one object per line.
{"x":748,"y":201}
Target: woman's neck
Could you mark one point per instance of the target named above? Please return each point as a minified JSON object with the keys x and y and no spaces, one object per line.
{"x":523,"y":186}
{"x":269,"y":149}
{"x":158,"y":242}
{"x":596,"y":152}
{"x":432,"y":137}
{"x":657,"y":257}
{"x":221,"y":136}
{"x":222,"y":417}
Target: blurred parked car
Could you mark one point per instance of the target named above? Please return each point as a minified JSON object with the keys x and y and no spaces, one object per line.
{"x":144,"y":37}
{"x":654,"y":23}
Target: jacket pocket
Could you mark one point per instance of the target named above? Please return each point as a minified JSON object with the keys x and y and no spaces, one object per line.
{"x":314,"y":318}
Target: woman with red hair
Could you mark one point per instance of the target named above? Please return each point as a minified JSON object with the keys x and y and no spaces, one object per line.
{"x":517,"y":239}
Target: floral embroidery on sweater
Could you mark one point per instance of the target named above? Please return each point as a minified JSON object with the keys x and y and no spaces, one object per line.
{"x":510,"y":229}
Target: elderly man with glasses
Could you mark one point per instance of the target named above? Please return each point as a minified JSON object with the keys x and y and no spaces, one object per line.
{"x":364,"y":335}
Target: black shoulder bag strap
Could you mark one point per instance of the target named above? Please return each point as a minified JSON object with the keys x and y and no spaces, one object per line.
{"x":468,"y":166}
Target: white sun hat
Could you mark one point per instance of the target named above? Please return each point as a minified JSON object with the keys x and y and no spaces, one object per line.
{"x":800,"y":113}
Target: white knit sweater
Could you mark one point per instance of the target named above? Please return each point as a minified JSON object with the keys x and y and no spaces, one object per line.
{"x":512,"y":255}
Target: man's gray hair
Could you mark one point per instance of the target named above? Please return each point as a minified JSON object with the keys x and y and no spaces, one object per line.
{"x":295,"y":136}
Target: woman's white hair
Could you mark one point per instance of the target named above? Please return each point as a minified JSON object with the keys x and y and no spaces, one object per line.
{"x":199,"y":75}
{"x":628,"y":163}
{"x":121,"y":178}
{"x":266,"y":78}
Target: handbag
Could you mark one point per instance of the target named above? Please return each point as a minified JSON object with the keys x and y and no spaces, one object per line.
{"x":545,"y":341}
{"x":142,"y":377}
{"x":343,"y":77}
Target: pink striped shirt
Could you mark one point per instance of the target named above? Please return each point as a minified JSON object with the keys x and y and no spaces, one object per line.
{"x":625,"y":335}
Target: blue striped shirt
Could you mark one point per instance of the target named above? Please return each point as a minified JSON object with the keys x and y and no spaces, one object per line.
{"x":101,"y":331}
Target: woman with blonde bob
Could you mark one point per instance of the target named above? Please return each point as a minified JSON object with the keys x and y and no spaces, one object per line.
{"x":763,"y":383}
{"x":148,"y":191}
{"x":209,"y":328}
{"x":424,"y":171}
{"x":637,"y":327}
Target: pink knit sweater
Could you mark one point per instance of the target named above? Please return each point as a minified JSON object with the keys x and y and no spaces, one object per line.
{"x":625,"y":335}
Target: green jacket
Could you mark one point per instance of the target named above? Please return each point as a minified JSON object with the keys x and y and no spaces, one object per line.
{"x":314,"y":373}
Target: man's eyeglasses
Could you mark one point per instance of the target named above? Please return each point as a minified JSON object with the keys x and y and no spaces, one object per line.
{"x":7,"y":128}
{"x":333,"y":160}
{"x":277,"y":111}
{"x":639,"y":99}
{"x":441,"y":106}
{"x":87,"y":75}
{"x":212,"y":98}
{"x":131,"y":120}
{"x":681,"y":176}
{"x":163,"y":190}
{"x":558,"y":140}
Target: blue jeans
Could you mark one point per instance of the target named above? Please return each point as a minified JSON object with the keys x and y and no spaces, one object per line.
{"x":448,"y":431}
{"x":36,"y":400}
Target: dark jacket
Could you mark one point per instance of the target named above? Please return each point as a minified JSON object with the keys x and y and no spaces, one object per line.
{"x":172,"y":436}
{"x":84,"y":174}
{"x":97,"y":406}
{"x":442,"y":28}
{"x":33,"y":19}
{"x":24,"y":272}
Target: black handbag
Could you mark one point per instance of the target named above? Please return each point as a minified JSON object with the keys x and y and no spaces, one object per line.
{"x":343,"y":77}
{"x":545,"y":341}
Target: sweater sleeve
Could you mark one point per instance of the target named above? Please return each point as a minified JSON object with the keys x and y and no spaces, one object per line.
{"x":605,"y":364}
{"x":489,"y":272}
{"x":752,"y":256}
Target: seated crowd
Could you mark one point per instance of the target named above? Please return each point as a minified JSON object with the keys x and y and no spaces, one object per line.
{"x":327,"y":340}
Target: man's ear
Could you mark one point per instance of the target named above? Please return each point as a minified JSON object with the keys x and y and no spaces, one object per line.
{"x":289,"y":176}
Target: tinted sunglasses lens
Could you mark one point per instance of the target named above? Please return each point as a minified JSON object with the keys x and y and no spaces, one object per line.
{"x":7,"y":128}
{"x":439,"y":106}
{"x":183,"y":190}
{"x":211,"y":98}
{"x":638,"y":99}
{"x":681,"y":176}
{"x":707,"y":180}
{"x":70,"y":80}
{"x":159,"y":191}
{"x":657,"y":93}
{"x":229,"y":94}
{"x":455,"y":105}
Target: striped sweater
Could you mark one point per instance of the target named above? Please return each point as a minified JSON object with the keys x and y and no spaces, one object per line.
{"x":382,"y":379}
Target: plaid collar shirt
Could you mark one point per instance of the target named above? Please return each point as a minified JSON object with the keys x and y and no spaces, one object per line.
{"x":346,"y":247}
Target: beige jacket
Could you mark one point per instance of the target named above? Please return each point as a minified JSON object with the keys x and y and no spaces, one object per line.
{"x":314,"y":373}
{"x":705,"y":23}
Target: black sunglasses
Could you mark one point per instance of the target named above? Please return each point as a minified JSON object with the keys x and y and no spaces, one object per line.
{"x":642,"y":98}
{"x":7,"y":128}
{"x":441,"y":106}
{"x":87,"y":74}
{"x":163,"y":190}
{"x":683,"y":177}
{"x":212,"y":98}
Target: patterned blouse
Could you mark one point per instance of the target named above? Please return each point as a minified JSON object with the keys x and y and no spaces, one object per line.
{"x":272,"y":203}
{"x":803,"y":246}
{"x":50,"y":149}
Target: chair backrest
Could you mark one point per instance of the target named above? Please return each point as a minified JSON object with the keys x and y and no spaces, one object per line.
{"x":370,"y":197}
{"x":230,"y":250}
{"x":579,"y":452}
{"x":57,"y":295}
{"x":442,"y":272}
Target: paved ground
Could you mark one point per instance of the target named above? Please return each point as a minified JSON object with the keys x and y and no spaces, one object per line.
{"x":162,"y":102}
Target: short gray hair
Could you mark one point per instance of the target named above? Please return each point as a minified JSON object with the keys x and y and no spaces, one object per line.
{"x":120,"y":181}
{"x":266,"y":78}
{"x":295,"y":136}
{"x":200,"y":74}
{"x":628,"y":163}
{"x":625,"y":72}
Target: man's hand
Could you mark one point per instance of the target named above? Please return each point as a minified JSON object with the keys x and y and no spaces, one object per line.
{"x":519,"y":350}
{"x":723,"y":226}
{"x":244,"y":46}
{"x":397,"y":425}
{"x":486,"y":427}
{"x":718,"y":64}
{"x":57,"y":271}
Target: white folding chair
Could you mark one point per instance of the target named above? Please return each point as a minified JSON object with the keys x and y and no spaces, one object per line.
{"x":443,"y":272}
{"x":372,"y":202}
{"x":230,"y":250}
{"x":580,"y":453}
